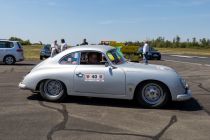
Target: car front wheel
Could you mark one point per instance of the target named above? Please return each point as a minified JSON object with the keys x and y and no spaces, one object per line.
{"x":52,"y":90}
{"x":152,"y":95}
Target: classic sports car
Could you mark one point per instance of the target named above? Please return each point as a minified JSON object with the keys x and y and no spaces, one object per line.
{"x":102,"y":71}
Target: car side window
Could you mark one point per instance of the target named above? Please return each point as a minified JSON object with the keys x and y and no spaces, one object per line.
{"x":3,"y":44}
{"x":92,"y":58}
{"x":11,"y":45}
{"x":70,"y":59}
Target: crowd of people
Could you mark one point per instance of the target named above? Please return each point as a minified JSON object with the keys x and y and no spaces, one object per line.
{"x":56,"y":48}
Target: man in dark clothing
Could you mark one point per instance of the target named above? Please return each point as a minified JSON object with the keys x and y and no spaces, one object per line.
{"x":84,"y":42}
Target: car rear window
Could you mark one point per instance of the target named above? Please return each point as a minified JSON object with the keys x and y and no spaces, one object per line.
{"x":19,"y":45}
{"x":70,"y":59}
{"x":47,"y":47}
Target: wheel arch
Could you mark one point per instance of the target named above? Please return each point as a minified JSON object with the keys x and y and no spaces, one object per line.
{"x":150,"y":80}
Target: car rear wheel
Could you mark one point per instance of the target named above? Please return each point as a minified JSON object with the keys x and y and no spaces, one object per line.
{"x":9,"y":60}
{"x":52,"y":90}
{"x":152,"y":94}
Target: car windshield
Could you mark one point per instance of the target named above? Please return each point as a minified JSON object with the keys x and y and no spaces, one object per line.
{"x":116,"y":56}
{"x":152,"y":49}
{"x":47,"y":47}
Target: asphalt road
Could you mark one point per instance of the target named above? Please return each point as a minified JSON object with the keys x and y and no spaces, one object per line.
{"x":25,"y":116}
{"x":197,"y":60}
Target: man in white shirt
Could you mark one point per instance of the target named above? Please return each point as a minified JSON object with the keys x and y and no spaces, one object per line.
{"x":54,"y":48}
{"x":145,"y":52}
{"x":63,"y":45}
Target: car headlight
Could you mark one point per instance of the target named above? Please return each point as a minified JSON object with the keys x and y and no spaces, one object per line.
{"x":184,"y":83}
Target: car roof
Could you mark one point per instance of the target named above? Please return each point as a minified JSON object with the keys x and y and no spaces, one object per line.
{"x":6,"y":40}
{"x":101,"y":48}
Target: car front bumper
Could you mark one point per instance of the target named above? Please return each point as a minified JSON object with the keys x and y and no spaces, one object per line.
{"x":23,"y":86}
{"x":185,"y":96}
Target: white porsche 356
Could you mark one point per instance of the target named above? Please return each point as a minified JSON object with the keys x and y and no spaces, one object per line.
{"x":102,"y":71}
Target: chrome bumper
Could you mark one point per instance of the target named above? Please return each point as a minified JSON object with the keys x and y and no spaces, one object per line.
{"x":22,"y":86}
{"x":184,"y":97}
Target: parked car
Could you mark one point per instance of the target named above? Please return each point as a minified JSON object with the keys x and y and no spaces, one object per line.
{"x":153,"y":54}
{"x":102,"y":71}
{"x":45,"y":51}
{"x":10,"y":52}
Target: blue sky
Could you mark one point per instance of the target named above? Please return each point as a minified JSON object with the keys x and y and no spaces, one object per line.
{"x":120,"y":20}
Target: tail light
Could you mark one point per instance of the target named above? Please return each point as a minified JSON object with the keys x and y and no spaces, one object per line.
{"x":19,"y":50}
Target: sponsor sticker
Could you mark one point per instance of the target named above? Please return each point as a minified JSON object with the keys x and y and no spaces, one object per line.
{"x":94,"y":77}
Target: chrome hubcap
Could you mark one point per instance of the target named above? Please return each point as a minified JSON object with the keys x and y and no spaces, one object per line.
{"x":9,"y":60}
{"x":152,"y":94}
{"x":53,"y":88}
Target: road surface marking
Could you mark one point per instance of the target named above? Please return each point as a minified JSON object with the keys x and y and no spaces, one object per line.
{"x":198,"y":64}
{"x":185,"y":56}
{"x":201,"y":57}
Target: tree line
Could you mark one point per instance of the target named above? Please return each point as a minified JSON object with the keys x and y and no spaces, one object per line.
{"x":161,"y":42}
{"x":22,"y":42}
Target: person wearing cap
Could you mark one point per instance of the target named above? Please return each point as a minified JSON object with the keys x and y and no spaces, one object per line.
{"x":145,"y":52}
{"x":63,"y":45}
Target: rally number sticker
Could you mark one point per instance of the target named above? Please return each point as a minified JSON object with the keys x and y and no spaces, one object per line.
{"x":94,"y":77}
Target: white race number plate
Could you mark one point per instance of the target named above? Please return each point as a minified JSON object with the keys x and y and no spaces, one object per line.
{"x":94,"y":77}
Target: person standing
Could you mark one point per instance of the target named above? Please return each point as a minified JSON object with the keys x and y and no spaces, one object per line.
{"x":63,"y":45}
{"x":145,"y":52}
{"x":54,"y":48}
{"x":84,"y":42}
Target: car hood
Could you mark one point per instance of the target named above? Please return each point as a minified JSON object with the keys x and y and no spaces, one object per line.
{"x":129,"y":66}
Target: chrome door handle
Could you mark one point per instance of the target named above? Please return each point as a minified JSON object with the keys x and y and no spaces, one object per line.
{"x":80,"y":75}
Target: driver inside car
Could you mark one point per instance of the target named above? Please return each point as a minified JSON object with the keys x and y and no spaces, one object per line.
{"x":93,"y":58}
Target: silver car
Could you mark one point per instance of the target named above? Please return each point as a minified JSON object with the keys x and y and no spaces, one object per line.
{"x":102,"y":71}
{"x":10,"y":52}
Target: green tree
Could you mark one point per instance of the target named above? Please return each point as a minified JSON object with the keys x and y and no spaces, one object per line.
{"x":23,"y":42}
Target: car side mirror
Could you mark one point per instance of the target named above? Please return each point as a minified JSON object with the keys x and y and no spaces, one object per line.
{"x":111,"y":66}
{"x":106,"y":64}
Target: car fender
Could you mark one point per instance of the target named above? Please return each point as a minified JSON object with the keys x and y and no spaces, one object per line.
{"x":170,"y":79}
{"x":64,"y":75}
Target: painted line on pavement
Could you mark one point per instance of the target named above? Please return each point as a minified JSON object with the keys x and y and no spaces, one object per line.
{"x":185,"y":56}
{"x":198,"y":64}
{"x":182,"y":56}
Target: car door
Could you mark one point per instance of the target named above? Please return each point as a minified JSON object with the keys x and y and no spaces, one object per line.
{"x":99,"y":79}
